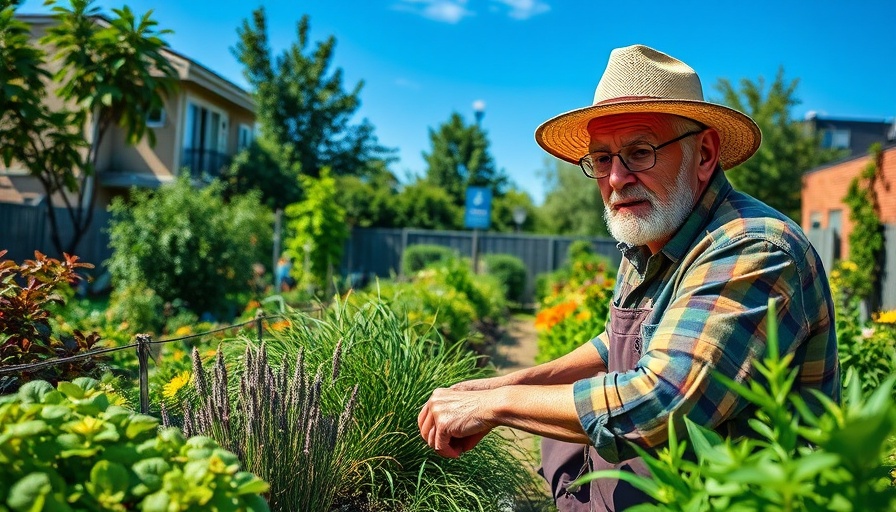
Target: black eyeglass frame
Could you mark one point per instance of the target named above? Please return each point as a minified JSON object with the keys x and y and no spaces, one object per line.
{"x":624,"y":163}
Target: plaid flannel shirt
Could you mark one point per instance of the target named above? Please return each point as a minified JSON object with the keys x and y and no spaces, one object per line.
{"x":709,"y":289}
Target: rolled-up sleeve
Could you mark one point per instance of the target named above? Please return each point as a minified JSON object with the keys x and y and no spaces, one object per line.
{"x":715,"y":322}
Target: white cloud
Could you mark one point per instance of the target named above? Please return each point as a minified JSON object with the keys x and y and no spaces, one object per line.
{"x":404,"y":83}
{"x":453,"y":11}
{"x":447,"y":11}
{"x":524,"y":9}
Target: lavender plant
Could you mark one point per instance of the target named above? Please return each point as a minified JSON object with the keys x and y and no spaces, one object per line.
{"x":276,"y":425}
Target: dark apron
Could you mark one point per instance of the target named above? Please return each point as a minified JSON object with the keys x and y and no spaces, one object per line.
{"x":564,"y":462}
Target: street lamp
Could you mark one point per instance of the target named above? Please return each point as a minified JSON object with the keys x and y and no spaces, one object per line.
{"x":519,"y":216}
{"x":478,"y":111}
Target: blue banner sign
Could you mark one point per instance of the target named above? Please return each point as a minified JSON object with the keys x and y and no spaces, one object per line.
{"x":478,"y":212}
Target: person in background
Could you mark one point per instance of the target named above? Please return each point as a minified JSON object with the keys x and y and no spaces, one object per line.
{"x":700,"y":263}
{"x":283,"y":281}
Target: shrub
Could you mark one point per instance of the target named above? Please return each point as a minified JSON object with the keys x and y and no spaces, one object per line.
{"x":74,"y":448}
{"x":395,"y":369}
{"x":419,"y":256}
{"x":188,"y":244}
{"x":574,"y":306}
{"x":798,"y":459}
{"x":510,"y":272}
{"x":29,"y":294}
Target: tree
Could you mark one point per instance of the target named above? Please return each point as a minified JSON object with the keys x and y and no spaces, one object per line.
{"x":317,"y":226}
{"x":572,"y":202}
{"x":188,"y":244}
{"x":460,"y":159}
{"x":303,"y":110}
{"x":368,"y":202}
{"x":426,"y":206}
{"x":260,"y":167}
{"x":774,"y":174}
{"x":110,"y":73}
{"x":503,"y":211}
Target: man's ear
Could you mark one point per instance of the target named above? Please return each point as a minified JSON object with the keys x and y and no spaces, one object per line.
{"x":708,"y":152}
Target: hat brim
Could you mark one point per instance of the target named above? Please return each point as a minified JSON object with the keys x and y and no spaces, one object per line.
{"x":566,"y":135}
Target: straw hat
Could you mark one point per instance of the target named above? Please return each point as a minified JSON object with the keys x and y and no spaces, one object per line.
{"x":639,"y":79}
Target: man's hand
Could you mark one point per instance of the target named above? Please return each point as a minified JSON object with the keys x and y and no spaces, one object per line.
{"x":453,"y":422}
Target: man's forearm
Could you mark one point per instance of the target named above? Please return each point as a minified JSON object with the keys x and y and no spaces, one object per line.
{"x":548,"y":411}
{"x":581,"y":363}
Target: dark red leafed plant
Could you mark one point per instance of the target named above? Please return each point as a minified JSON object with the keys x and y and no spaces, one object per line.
{"x":27,"y":294}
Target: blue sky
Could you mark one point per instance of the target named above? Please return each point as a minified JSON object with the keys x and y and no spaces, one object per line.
{"x":529,"y":60}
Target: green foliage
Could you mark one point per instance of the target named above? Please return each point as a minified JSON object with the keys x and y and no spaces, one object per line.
{"x":774,"y":174}
{"x":188,"y":244}
{"x":800,"y":458}
{"x":460,"y":159}
{"x":573,"y":302}
{"x":419,"y":256}
{"x":572,"y":202}
{"x":503,"y":210}
{"x":276,"y":424}
{"x":368,"y":202}
{"x":426,"y":206}
{"x":302,"y":107}
{"x":317,"y":225}
{"x":259,"y":167}
{"x":138,"y":307}
{"x":74,"y":448}
{"x":510,"y":272}
{"x":866,"y":240}
{"x":395,"y":369}
{"x":107,"y":75}
{"x":29,"y":294}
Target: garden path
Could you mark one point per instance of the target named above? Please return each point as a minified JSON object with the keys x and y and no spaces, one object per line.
{"x":517,"y":349}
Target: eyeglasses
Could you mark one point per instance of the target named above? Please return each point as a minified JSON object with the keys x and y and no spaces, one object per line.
{"x":636,"y":158}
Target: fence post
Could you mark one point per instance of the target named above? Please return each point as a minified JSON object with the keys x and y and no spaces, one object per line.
{"x":259,"y":326}
{"x":143,"y":358}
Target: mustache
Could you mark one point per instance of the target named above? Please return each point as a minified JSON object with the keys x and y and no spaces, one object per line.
{"x":629,"y":195}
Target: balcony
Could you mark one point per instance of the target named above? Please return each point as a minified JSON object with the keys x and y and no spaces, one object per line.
{"x":204,"y":164}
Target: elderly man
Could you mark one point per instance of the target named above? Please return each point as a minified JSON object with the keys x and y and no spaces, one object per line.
{"x":700,"y":263}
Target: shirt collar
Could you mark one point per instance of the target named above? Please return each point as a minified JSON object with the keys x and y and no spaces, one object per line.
{"x":716,"y":191}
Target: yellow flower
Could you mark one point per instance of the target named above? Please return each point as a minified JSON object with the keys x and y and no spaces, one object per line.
{"x":180,"y":380}
{"x":183,"y":330}
{"x":885,"y":317}
{"x":584,"y":315}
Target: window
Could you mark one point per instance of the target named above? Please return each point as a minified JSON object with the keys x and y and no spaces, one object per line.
{"x":245,"y":137}
{"x":835,"y":224}
{"x":156,"y":118}
{"x":815,"y":220}
{"x":835,"y":139}
{"x":205,"y":139}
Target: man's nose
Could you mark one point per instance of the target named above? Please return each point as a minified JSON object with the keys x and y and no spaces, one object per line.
{"x":619,"y":176}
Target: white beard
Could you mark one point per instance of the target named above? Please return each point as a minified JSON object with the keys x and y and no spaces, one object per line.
{"x":661,"y":221}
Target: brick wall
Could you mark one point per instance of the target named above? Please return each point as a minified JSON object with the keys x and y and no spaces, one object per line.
{"x":824,"y":190}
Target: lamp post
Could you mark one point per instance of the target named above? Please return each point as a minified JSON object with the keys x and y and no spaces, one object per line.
{"x":519,"y":216}
{"x":478,"y":111}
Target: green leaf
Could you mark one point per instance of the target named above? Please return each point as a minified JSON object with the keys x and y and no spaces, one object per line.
{"x":30,"y":493}
{"x":34,"y":391}
{"x":812,"y":465}
{"x":108,"y":480}
{"x":139,"y":424}
{"x":254,"y":486}
{"x":55,"y":412}
{"x":157,"y":502}
{"x":71,"y":390}
{"x":27,"y":428}
{"x":151,"y":471}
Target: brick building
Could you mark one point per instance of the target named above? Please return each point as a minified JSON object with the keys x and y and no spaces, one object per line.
{"x":825,"y":187}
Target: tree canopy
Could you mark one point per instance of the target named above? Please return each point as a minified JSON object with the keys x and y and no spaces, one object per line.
{"x":303,"y":108}
{"x":110,"y":73}
{"x":460,"y":158}
{"x":572,"y":202}
{"x":774,"y":174}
